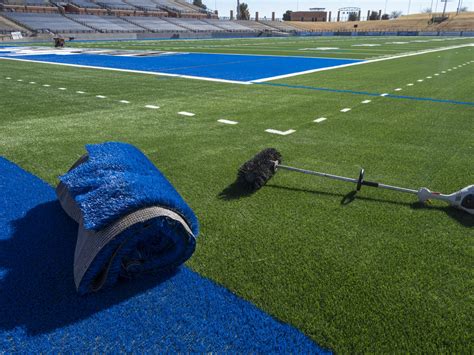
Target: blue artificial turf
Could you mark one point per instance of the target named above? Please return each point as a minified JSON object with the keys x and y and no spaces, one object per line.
{"x":215,"y":66}
{"x":41,"y":311}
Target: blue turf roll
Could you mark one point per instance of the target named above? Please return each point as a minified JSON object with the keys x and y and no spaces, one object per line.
{"x":116,"y":183}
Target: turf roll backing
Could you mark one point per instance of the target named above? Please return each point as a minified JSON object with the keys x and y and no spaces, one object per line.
{"x":131,"y":218}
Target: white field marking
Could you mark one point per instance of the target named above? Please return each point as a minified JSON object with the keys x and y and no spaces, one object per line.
{"x":62,"y":89}
{"x":8,"y":78}
{"x":429,"y":77}
{"x":449,"y":70}
{"x":365,"y":45}
{"x":100,"y":96}
{"x":46,"y":85}
{"x":20,"y":80}
{"x":411,"y":84}
{"x":347,"y":109}
{"x":133,"y":71}
{"x":443,"y":72}
{"x":184,"y":113}
{"x":32,"y":82}
{"x":318,"y":49}
{"x":420,"y":80}
{"x":398,"y":89}
{"x":319,"y":120}
{"x":80,"y":92}
{"x":281,"y":133}
{"x":358,"y":63}
{"x":366,"y":101}
{"x":384,"y":94}
{"x":124,"y":101}
{"x":227,"y":121}
{"x":152,"y":106}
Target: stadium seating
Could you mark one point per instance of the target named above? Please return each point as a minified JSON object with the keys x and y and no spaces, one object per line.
{"x":28,"y":6}
{"x":280,"y":25}
{"x":115,"y":4}
{"x":6,"y":26}
{"x":155,"y":24}
{"x":418,"y":22}
{"x":231,"y":26}
{"x":47,"y":22}
{"x":194,"y":25}
{"x":257,"y":26}
{"x":106,"y":23}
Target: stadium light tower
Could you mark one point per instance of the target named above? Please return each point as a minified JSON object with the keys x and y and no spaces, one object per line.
{"x":409,"y":5}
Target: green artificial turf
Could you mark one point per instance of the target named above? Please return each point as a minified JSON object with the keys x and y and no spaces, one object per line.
{"x":338,"y":47}
{"x":378,"y":274}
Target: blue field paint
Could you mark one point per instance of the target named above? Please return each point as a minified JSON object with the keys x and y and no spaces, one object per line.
{"x":41,"y":311}
{"x":214,"y":66}
{"x":366,"y":93}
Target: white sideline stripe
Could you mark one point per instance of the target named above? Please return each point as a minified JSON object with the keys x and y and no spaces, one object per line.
{"x":132,"y":71}
{"x":62,"y":89}
{"x":384,"y":94}
{"x":184,"y":113}
{"x":398,"y":89}
{"x":46,"y":85}
{"x":124,"y":101}
{"x":360,"y":63}
{"x":366,"y":101}
{"x":227,"y":121}
{"x":281,"y":133}
{"x":347,"y":109}
{"x":319,"y":120}
{"x":152,"y":106}
{"x":100,"y":96}
{"x":80,"y":92}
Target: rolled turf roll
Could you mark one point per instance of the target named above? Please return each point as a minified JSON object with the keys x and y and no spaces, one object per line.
{"x":131,"y":219}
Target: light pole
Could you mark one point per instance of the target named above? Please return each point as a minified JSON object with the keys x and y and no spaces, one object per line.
{"x":409,"y":5}
{"x":385,"y":9}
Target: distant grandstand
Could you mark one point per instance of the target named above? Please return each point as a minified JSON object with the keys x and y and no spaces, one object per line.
{"x":130,"y":19}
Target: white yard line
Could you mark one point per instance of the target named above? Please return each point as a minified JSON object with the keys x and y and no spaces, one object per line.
{"x":319,"y":120}
{"x":62,"y":89}
{"x":124,"y":101}
{"x":46,"y":85}
{"x":366,"y":101}
{"x":281,"y":133}
{"x":152,"y":107}
{"x":398,"y":89}
{"x":227,"y":121}
{"x":80,"y":92}
{"x":184,"y":113}
{"x":347,"y":109}
{"x":384,"y":94}
{"x":363,"y":62}
{"x":100,"y":96}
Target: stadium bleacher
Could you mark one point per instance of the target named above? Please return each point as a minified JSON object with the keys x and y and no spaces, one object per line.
{"x":194,"y":24}
{"x":231,"y":26}
{"x":47,"y":22}
{"x":116,"y":4}
{"x":280,"y":25}
{"x":155,"y":24}
{"x":106,"y":23}
{"x":257,"y":26}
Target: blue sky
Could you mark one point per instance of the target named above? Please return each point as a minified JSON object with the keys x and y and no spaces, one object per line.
{"x":265,"y":7}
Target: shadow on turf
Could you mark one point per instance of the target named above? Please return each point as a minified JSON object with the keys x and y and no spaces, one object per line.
{"x":462,"y":217}
{"x":235,"y":191}
{"x":37,"y":291}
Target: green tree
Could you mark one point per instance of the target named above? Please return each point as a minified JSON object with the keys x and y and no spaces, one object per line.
{"x":374,"y":15}
{"x":244,"y":12}
{"x":353,"y":16}
{"x":287,"y":15}
{"x":199,"y":3}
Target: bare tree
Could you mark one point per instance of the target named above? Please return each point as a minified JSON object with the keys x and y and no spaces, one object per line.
{"x":396,"y":14}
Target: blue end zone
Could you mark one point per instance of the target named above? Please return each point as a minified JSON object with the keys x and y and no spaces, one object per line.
{"x":41,"y":311}
{"x":214,"y":66}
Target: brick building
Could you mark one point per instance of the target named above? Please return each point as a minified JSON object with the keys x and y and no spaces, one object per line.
{"x":311,"y":16}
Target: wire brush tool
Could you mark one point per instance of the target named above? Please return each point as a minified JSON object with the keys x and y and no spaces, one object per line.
{"x":256,"y":172}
